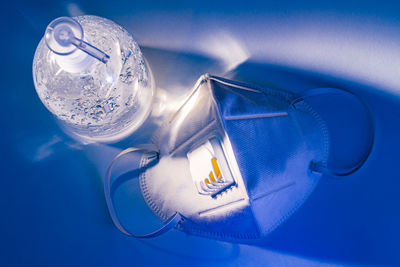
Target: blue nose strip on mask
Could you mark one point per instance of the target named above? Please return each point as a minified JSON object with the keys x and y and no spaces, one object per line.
{"x":242,"y":158}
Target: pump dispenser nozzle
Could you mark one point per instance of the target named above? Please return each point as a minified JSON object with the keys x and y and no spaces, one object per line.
{"x":64,"y":36}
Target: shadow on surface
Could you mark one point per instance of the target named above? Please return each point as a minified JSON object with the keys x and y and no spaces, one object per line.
{"x":352,"y":219}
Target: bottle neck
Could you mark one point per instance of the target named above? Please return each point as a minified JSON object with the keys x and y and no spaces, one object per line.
{"x":76,"y":62}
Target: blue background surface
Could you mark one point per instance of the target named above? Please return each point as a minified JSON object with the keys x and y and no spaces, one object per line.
{"x":53,"y":209}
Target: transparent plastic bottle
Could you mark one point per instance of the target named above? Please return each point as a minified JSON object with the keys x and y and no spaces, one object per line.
{"x":90,"y":73}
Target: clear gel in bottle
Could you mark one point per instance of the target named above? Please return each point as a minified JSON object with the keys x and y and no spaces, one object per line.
{"x":90,"y":73}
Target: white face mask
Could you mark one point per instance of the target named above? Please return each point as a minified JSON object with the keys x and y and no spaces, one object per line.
{"x":233,"y":162}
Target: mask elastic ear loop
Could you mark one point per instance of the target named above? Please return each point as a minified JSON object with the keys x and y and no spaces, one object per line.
{"x":319,"y":167}
{"x":170,"y":223}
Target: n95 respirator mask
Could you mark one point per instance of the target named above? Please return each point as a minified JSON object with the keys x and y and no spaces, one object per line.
{"x":233,"y":162}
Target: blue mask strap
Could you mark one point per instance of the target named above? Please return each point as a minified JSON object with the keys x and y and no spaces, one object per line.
{"x":153,"y":152}
{"x":320,"y":168}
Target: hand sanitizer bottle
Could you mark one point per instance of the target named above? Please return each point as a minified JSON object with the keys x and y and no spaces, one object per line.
{"x":90,"y":73}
